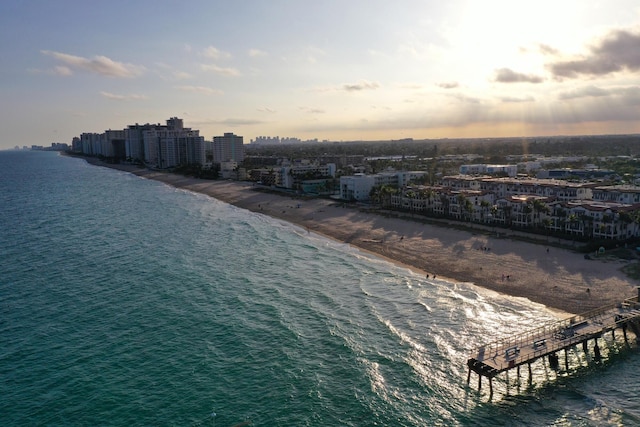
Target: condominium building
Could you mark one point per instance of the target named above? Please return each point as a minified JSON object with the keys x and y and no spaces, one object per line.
{"x":167,"y":148}
{"x":161,"y":146}
{"x":228,"y":148}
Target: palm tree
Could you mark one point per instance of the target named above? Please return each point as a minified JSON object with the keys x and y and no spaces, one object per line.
{"x":587,"y":225}
{"x":627,"y":218}
{"x":444,"y":200}
{"x":468,"y":209}
{"x":636,"y":222}
{"x":461,"y":199}
{"x":527,"y":210}
{"x":494,"y":212}
{"x":385,"y":195}
{"x":430,"y":194}
{"x":421,"y":200}
{"x":375,"y":195}
{"x":411,"y":195}
{"x":572,"y":220}
{"x":507,"y":214}
{"x":485,"y":207}
{"x":539,"y":206}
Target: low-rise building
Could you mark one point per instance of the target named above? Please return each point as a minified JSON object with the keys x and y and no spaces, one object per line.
{"x":356,"y":187}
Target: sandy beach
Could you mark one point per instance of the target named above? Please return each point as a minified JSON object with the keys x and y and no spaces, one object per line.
{"x":558,"y":278}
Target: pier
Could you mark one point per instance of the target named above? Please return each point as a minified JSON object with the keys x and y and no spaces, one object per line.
{"x":548,"y":340}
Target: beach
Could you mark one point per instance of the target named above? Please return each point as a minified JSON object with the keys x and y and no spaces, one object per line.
{"x":558,"y":278}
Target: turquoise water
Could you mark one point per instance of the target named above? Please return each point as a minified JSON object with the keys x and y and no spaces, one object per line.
{"x":124,"y":301}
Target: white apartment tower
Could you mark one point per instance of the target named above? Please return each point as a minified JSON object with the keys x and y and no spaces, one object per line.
{"x":228,"y":148}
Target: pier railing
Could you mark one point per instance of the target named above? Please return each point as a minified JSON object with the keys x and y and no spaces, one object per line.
{"x":504,"y":353}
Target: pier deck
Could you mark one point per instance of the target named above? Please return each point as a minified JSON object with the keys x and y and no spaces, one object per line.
{"x":493,"y":358}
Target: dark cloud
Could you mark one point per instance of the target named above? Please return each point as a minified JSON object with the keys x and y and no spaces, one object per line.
{"x":507,"y":75}
{"x":618,"y":51}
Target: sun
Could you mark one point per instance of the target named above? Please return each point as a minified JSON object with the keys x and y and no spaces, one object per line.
{"x":495,"y":34}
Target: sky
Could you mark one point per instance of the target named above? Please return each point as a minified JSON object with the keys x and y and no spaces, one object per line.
{"x":335,"y":70}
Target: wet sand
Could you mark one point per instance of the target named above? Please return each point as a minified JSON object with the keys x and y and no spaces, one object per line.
{"x":558,"y":278}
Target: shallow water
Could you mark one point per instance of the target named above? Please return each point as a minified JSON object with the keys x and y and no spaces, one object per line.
{"x":128,"y":302}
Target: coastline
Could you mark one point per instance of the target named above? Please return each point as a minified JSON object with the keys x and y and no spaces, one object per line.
{"x":557,"y":278}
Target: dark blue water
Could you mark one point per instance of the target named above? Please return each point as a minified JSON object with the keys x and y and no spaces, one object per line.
{"x":124,"y":301}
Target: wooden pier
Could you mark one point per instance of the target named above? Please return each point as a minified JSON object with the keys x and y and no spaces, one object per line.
{"x":546,"y":341}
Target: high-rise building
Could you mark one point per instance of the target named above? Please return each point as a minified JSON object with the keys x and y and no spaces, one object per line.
{"x":228,"y":148}
{"x":161,"y":146}
{"x":167,"y":148}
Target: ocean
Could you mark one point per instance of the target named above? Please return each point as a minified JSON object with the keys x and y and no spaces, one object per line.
{"x":124,"y":301}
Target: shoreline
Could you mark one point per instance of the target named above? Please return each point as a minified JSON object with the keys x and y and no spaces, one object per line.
{"x":560,"y":279}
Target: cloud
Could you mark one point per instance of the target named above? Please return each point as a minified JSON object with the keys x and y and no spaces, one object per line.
{"x":257,"y":52}
{"x":547,"y":50}
{"x":585,"y":92}
{"x":507,"y":75}
{"x":200,"y":89}
{"x":266,"y":110}
{"x":215,"y":53}
{"x":116,"y":97}
{"x":465,"y":99}
{"x":230,"y":122}
{"x":517,"y":99}
{"x":182,"y":75}
{"x":448,"y":85}
{"x":59,"y":70}
{"x":348,"y":87}
{"x":629,"y":96}
{"x":310,"y":110}
{"x":361,"y":85}
{"x":240,"y":122}
{"x":617,"y":51}
{"x":98,"y":65}
{"x":230,"y":72}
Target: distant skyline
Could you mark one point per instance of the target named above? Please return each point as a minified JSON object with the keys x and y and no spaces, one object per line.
{"x":337,"y":70}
